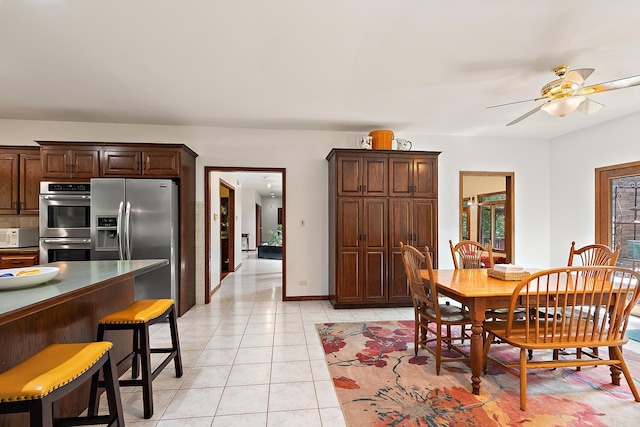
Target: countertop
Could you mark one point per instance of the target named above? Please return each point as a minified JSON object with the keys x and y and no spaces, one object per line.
{"x":75,"y":278}
{"x":29,"y":249}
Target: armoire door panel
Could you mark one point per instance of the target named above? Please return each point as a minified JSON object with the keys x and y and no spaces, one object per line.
{"x":425,"y":177}
{"x":400,"y":222}
{"x":374,"y":276}
{"x":374,"y":223}
{"x":398,"y":284}
{"x":424,"y":212}
{"x":349,"y":230}
{"x":375,"y":177}
{"x":350,"y":173}
{"x":400,"y":172}
{"x":349,"y":276}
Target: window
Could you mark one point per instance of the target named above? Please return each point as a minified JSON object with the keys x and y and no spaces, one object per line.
{"x":491,"y":219}
{"x":464,"y":219}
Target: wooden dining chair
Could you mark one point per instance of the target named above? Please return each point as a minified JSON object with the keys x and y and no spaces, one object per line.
{"x":469,"y":254}
{"x":577,"y":291}
{"x":595,"y":254}
{"x":428,"y":309}
{"x":592,"y":255}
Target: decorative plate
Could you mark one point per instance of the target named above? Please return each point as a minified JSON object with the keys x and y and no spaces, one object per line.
{"x":26,"y":276}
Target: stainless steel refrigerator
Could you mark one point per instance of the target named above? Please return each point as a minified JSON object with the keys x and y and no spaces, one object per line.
{"x":138,"y":219}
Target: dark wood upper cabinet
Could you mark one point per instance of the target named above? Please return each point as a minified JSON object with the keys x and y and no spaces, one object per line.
{"x":123,"y":161}
{"x":70,"y":162}
{"x":20,"y":175}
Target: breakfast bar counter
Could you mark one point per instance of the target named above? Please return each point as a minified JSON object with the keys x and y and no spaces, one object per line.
{"x":63,"y":310}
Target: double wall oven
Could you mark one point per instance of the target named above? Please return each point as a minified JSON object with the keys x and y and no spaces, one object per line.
{"x":65,"y":221}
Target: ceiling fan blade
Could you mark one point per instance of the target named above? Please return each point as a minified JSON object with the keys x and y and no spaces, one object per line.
{"x":515,"y":102}
{"x":589,"y":106}
{"x":584,"y":72}
{"x":612,"y":85}
{"x":524,"y":116}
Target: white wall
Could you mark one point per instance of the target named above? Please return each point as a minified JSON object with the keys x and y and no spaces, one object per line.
{"x":303,"y":154}
{"x":573,"y":160}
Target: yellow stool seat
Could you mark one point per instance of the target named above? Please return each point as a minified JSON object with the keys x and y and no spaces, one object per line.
{"x":53,"y":367}
{"x":36,"y":385}
{"x":140,"y":311}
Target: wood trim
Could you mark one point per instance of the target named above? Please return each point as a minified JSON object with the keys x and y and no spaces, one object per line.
{"x":603,"y":176}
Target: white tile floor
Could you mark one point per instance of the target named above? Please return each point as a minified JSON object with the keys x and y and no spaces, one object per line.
{"x":251,"y":359}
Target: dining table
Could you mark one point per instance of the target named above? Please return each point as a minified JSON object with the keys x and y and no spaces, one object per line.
{"x":478,"y":291}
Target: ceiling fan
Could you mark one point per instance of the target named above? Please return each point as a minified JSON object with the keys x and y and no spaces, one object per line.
{"x":567,"y":93}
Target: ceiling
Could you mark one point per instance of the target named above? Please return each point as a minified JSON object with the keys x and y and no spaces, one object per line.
{"x":267,"y":184}
{"x":418,"y":67}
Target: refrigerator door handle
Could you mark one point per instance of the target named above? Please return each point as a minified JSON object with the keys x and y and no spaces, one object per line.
{"x":127,"y":232}
{"x":120,"y":236}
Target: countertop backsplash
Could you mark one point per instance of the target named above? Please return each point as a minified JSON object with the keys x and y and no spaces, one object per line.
{"x":19,"y":221}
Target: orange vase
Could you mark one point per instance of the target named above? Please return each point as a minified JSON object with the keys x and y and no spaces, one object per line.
{"x":381,"y":139}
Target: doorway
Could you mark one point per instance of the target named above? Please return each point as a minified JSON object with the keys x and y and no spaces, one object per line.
{"x":211,"y":217}
{"x":487,"y":210}
{"x":227,"y":228}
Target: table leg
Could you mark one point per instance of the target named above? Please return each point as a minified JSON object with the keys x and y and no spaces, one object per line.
{"x":615,"y":369}
{"x":476,"y":312}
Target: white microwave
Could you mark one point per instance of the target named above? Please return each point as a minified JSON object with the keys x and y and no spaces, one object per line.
{"x":18,"y":237}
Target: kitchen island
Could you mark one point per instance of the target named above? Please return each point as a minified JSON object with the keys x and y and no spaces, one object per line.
{"x":63,"y":310}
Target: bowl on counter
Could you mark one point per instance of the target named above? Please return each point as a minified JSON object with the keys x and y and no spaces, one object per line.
{"x":16,"y":278}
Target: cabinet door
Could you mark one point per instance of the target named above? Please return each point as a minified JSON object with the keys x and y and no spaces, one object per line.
{"x":400,"y":220}
{"x":349,"y":232}
{"x":425,"y":176}
{"x":349,"y":176}
{"x":401,"y":176}
{"x":362,"y":175}
{"x":55,"y":162}
{"x":374,"y":247}
{"x":118,"y":162}
{"x":413,"y":222}
{"x":163,"y":163}
{"x":85,"y":163}
{"x":9,"y":164}
{"x":423,"y":224}
{"x":30,"y":177}
{"x":374,"y":179}
{"x":74,"y":163}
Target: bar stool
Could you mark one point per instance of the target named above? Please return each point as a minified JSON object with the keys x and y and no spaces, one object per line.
{"x":137,"y":317}
{"x":34,"y":385}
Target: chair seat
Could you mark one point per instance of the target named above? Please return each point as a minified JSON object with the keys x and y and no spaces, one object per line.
{"x":140,"y":311}
{"x":50,"y":369}
{"x":547,"y":339}
{"x":449,"y":314}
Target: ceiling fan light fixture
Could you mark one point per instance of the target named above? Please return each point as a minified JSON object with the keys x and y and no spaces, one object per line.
{"x":563,"y":106}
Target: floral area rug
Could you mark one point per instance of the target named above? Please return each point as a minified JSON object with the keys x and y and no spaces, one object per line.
{"x":380,"y":382}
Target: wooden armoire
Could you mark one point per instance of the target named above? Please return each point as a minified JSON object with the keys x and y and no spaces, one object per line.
{"x":377,"y":199}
